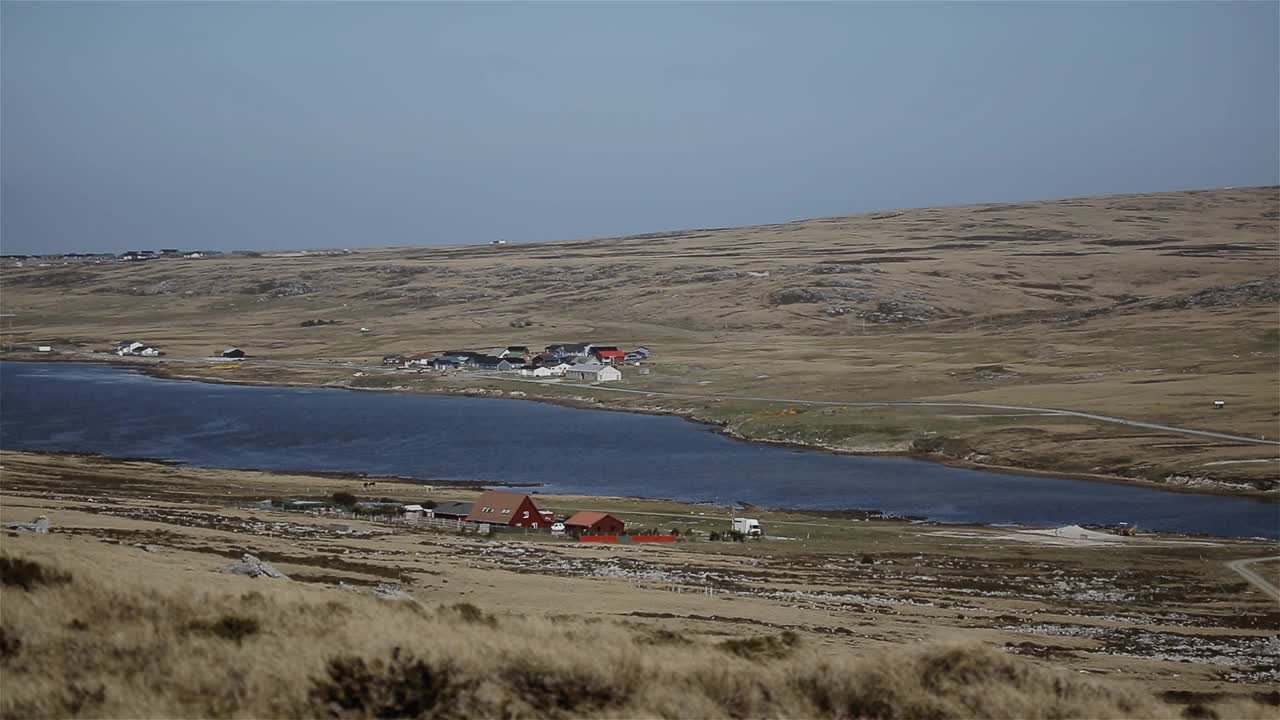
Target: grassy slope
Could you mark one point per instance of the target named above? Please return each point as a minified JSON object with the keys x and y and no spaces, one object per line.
{"x":1166,"y":614}
{"x":1087,"y":304}
{"x":78,"y":639}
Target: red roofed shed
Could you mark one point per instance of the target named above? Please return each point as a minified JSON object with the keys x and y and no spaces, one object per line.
{"x":611,"y":357}
{"x":594,"y":523}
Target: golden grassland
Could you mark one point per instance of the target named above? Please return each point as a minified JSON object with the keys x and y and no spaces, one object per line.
{"x":1144,"y":306}
{"x":79,"y":640}
{"x":130,"y":616}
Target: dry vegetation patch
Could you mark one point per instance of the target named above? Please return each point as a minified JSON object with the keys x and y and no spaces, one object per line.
{"x":93,"y":644}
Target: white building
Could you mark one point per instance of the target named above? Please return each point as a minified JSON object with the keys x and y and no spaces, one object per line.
{"x":593,"y":372}
{"x":559,"y":369}
{"x":538,"y":372}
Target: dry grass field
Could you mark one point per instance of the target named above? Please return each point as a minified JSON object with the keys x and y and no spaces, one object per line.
{"x":121,"y":611}
{"x":1147,"y":307}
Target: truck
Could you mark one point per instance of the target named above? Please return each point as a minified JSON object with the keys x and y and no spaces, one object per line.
{"x":748,"y":526}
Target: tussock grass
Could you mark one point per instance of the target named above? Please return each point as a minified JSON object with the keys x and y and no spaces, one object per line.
{"x":99,"y":645}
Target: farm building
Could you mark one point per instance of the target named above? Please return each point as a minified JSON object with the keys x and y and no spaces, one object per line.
{"x":536,"y":371}
{"x":593,"y":523}
{"x":609,"y":357}
{"x":512,"y":509}
{"x":592,"y":372}
{"x":233,"y":352}
{"x":451,"y":511}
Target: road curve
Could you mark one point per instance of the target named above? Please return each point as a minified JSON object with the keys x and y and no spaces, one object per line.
{"x":1242,"y":568}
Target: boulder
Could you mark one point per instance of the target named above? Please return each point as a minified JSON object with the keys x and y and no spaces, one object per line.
{"x":39,"y":525}
{"x":250,"y":566}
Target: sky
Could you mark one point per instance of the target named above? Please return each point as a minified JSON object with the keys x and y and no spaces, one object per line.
{"x":359,"y":124}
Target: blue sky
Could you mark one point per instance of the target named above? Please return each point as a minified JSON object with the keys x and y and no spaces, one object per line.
{"x":288,"y":125}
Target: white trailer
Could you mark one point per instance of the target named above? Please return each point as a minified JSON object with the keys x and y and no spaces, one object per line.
{"x":748,"y":526}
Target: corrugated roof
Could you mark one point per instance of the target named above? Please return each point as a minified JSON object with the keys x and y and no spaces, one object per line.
{"x":588,"y":518}
{"x":496,"y":506}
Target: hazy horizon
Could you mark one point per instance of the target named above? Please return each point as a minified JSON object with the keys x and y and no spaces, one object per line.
{"x":277,"y":126}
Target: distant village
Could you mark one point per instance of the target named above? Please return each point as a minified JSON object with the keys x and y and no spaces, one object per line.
{"x":584,"y":362}
{"x":128,"y":256}
{"x":587,"y":362}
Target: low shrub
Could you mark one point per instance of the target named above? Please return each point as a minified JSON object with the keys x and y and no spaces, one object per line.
{"x":27,"y":574}
{"x":228,"y":627}
{"x":404,"y":687}
{"x":762,"y":647}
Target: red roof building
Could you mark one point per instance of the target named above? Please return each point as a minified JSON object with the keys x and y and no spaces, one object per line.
{"x":594,"y":523}
{"x":610,"y":357}
{"x":506,"y":508}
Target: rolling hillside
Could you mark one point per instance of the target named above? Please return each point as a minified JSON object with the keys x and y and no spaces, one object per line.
{"x":1147,"y":307}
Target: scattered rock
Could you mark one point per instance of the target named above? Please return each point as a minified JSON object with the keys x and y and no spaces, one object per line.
{"x":388,"y":591}
{"x":897,"y":311}
{"x":250,"y":566}
{"x":39,"y":525}
{"x":796,"y":295}
{"x":1254,"y":292}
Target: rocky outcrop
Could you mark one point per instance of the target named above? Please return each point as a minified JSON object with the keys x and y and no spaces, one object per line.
{"x":250,"y":566}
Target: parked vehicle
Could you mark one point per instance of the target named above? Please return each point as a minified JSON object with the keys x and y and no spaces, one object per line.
{"x":557,"y":528}
{"x":748,"y":526}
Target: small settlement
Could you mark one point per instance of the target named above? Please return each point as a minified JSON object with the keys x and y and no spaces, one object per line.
{"x":582,"y":362}
{"x":493,"y":511}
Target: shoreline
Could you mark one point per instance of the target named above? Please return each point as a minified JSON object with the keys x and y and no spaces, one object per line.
{"x":396,"y":485}
{"x":158,"y":369}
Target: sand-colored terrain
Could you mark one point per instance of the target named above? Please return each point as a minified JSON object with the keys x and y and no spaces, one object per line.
{"x":1147,"y":307}
{"x":1166,"y":613}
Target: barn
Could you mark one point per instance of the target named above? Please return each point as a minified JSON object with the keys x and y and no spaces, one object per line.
{"x":511,"y":509}
{"x":593,"y":523}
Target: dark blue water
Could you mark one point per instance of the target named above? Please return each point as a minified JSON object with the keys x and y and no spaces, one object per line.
{"x":117,"y":412}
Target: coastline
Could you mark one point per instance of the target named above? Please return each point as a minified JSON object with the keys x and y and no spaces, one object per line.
{"x":160,"y":368}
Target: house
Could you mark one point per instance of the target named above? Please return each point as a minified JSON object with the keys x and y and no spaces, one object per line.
{"x":442,"y":363}
{"x":450,"y":511}
{"x":233,"y":352}
{"x":507,"y":508}
{"x":642,"y":351}
{"x":610,"y":357}
{"x":568,"y":349}
{"x":130,"y":348}
{"x":559,"y":369}
{"x":511,"y":350}
{"x":593,"y":523}
{"x":539,"y":371}
{"x":413,"y":513}
{"x":592,"y":372}
{"x":509,"y":364}
{"x":419,"y":359}
{"x":395,"y":359}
